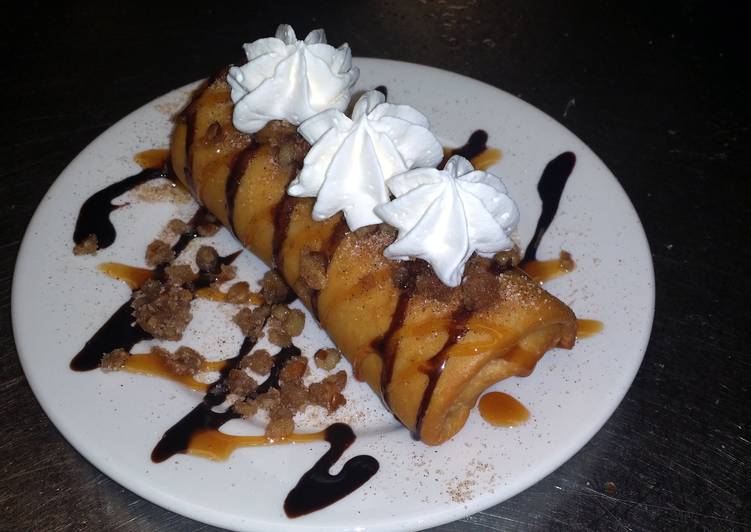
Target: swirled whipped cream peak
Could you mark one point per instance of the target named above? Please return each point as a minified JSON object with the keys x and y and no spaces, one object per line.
{"x":288,"y":79}
{"x":444,"y":216}
{"x":351,"y":159}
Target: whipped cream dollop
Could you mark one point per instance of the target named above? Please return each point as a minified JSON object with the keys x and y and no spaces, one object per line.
{"x":287,"y":79}
{"x":350,"y":160}
{"x":443,"y":216}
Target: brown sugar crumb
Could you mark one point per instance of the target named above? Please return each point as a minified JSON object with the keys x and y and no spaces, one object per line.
{"x":88,"y":246}
{"x":273,"y":288}
{"x":313,"y":267}
{"x":507,"y":258}
{"x":279,"y":313}
{"x":294,"y":396}
{"x":162,"y":310}
{"x":159,"y":252}
{"x":292,"y":152}
{"x":184,"y":361}
{"x":207,"y":259}
{"x":208,"y":229}
{"x":479,"y":286}
{"x":240,"y":383}
{"x":566,"y":261}
{"x":327,"y":359}
{"x":247,"y":409}
{"x":114,"y":360}
{"x":294,"y":370}
{"x":180,"y":274}
{"x":177,"y":226}
{"x":429,"y":286}
{"x":238,"y":293}
{"x":269,"y":400}
{"x":280,"y":424}
{"x":251,"y":322}
{"x":275,"y":131}
{"x":279,"y":337}
{"x":226,"y":273}
{"x":294,"y":323}
{"x":328,"y":392}
{"x":259,"y":361}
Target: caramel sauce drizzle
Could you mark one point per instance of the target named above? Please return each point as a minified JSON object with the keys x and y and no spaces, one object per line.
{"x":586,"y":328}
{"x":435,"y":366}
{"x":543,"y":271}
{"x":214,"y":294}
{"x":219,"y":446}
{"x":155,"y":158}
{"x":153,"y":365}
{"x":502,"y":410}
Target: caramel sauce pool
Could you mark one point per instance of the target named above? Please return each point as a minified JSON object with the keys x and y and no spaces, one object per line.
{"x":502,"y":410}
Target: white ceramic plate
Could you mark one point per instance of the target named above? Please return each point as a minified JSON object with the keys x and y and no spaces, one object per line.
{"x":115,"y":419}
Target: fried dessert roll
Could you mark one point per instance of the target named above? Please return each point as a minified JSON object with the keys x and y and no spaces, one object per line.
{"x":426,"y":349}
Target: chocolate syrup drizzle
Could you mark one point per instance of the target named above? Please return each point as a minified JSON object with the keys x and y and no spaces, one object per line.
{"x":239,"y":166}
{"x":550,"y":188}
{"x":94,"y":216}
{"x":203,"y":417}
{"x":475,"y":145}
{"x":119,"y":330}
{"x":435,"y":366}
{"x":318,"y":488}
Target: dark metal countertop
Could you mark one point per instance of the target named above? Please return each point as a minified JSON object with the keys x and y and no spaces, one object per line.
{"x":654,"y":88}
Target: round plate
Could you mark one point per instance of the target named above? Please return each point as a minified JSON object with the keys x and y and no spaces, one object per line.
{"x":115,"y":419}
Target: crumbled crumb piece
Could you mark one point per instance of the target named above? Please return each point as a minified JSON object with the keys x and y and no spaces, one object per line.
{"x":281,"y":424}
{"x":327,"y":359}
{"x":159,"y":252}
{"x":209,"y":227}
{"x":177,"y":226}
{"x":294,"y":370}
{"x":88,"y":246}
{"x":508,"y":258}
{"x":313,"y":268}
{"x":240,"y":383}
{"x":114,"y":360}
{"x":294,"y":396}
{"x":207,"y":259}
{"x":279,"y":312}
{"x":180,"y":274}
{"x":566,"y":261}
{"x":259,"y":361}
{"x":273,"y":288}
{"x":327,"y":393}
{"x":184,"y":361}
{"x":279,"y":337}
{"x":269,"y":400}
{"x":251,"y":321}
{"x":227,"y":272}
{"x":294,"y":322}
{"x":162,"y":310}
{"x":238,"y":293}
{"x":479,"y":287}
{"x":247,"y":409}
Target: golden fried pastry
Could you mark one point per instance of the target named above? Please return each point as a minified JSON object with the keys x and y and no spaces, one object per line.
{"x":426,"y":349}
